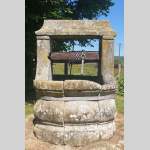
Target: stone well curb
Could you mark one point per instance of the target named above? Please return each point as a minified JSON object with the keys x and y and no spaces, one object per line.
{"x":75,"y":112}
{"x":74,"y":135}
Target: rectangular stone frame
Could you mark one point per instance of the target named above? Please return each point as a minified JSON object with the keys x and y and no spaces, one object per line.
{"x":106,"y":47}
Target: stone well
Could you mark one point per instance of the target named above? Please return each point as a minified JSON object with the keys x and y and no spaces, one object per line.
{"x":74,"y":112}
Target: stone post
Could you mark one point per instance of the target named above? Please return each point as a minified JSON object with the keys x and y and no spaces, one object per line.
{"x":107,"y":59}
{"x":43,"y":69}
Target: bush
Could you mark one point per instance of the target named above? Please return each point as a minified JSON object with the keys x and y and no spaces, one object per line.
{"x":120,"y":86}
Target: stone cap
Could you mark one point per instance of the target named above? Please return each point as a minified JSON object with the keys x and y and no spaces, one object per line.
{"x":48,"y":85}
{"x":76,"y":28}
{"x":79,"y":85}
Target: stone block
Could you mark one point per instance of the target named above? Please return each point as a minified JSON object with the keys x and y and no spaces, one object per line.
{"x":107,"y":110}
{"x":43,"y":67}
{"x":42,"y":93}
{"x":80,"y":135}
{"x":106,"y":130}
{"x":74,"y":135}
{"x":49,"y":111}
{"x":75,"y":112}
{"x":48,"y":85}
{"x":81,"y":111}
{"x":77,"y":93}
{"x":81,"y":85}
{"x":76,"y":27}
{"x":51,"y":134}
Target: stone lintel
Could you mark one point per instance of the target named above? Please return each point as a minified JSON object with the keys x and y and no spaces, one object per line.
{"x":75,"y":27}
{"x":43,"y":37}
{"x":108,"y":37}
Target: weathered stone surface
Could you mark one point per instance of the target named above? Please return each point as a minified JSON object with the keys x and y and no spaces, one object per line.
{"x":107,"y":110}
{"x":49,"y":85}
{"x":81,"y":111}
{"x":48,"y":88}
{"x":76,"y":93}
{"x":51,"y":134}
{"x":114,"y":143}
{"x":43,"y":68}
{"x":73,"y":29}
{"x":50,"y":111}
{"x":74,"y":122}
{"x":108,"y":87}
{"x":76,"y":27}
{"x":81,"y":85}
{"x":107,"y":60}
{"x":80,"y":135}
{"x":42,"y":93}
{"x":75,"y":112}
{"x":83,"y":98}
{"x":74,"y":135}
{"x":106,"y":130}
{"x":72,"y":88}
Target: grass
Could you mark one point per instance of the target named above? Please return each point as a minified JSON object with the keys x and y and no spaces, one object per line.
{"x":28,"y":109}
{"x":89,"y":69}
{"x":120,"y":104}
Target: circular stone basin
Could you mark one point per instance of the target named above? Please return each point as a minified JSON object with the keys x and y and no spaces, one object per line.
{"x":84,"y":111}
{"x":74,"y":135}
{"x":74,"y":112}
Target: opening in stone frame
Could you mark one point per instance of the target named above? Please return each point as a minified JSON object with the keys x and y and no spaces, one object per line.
{"x":75,"y":59}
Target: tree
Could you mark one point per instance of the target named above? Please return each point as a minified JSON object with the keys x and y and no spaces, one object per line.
{"x":37,"y":10}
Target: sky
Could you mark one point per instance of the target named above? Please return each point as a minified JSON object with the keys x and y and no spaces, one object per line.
{"x":116,"y":19}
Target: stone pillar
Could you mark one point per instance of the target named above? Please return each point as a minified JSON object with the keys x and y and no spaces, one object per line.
{"x":107,"y":59}
{"x":43,"y":68}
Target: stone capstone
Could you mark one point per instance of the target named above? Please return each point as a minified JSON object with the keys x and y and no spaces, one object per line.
{"x":81,"y":85}
{"x":48,"y":88}
{"x":72,"y":88}
{"x":76,"y":28}
{"x":48,"y":85}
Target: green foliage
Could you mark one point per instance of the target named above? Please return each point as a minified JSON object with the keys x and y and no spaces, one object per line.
{"x":120,"y":83}
{"x":119,"y":60}
{"x":89,"y":69}
{"x":28,"y":109}
{"x":68,"y":45}
{"x":120,"y":104}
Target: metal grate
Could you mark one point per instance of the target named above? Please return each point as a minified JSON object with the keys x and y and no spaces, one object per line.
{"x":75,"y":56}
